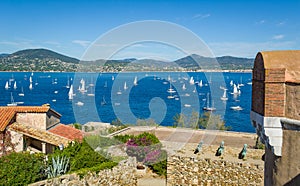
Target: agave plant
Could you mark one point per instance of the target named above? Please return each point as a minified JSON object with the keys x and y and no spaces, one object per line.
{"x":59,"y":166}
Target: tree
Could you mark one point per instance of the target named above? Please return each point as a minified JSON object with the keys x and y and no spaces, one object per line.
{"x":179,"y":120}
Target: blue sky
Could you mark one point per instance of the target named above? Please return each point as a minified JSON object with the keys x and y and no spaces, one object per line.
{"x":236,"y":28}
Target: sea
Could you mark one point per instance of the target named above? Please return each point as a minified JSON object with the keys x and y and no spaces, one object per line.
{"x":134,"y":96}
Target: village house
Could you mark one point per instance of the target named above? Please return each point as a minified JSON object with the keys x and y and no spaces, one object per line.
{"x":34,"y":129}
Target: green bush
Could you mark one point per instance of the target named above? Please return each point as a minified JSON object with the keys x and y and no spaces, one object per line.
{"x":123,"y":138}
{"x":81,"y":156}
{"x":98,"y":141}
{"x":97,"y":168}
{"x":21,"y":168}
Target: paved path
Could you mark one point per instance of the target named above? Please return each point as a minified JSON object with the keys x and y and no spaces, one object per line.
{"x":151,"y":182}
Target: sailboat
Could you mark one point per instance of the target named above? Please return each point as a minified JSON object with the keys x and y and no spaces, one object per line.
{"x":224,"y":97}
{"x":231,"y":83}
{"x":170,"y":96}
{"x":208,"y":108}
{"x":15,"y":85}
{"x":171,"y":90}
{"x":22,"y":92}
{"x":183,"y":87}
{"x":12,"y":103}
{"x":169,"y":78}
{"x":194,"y":90}
{"x":236,"y":108}
{"x":200,"y":84}
{"x":30,"y":79}
{"x":103,"y":102}
{"x":71,"y":93}
{"x":235,"y":90}
{"x":91,"y":84}
{"x":68,"y":83}
{"x":241,"y":83}
{"x":135,"y":81}
{"x":30,"y":86}
{"x":82,"y":87}
{"x":6,"y":85}
{"x":119,"y":91}
{"x":91,"y":93}
{"x":125,"y":86}
{"x":192,"y":82}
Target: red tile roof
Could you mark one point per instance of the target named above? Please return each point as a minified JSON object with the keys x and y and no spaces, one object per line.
{"x":67,"y":132}
{"x":8,"y":113}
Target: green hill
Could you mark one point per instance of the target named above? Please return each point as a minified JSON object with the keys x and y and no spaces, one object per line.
{"x":47,"y":60}
{"x":42,"y":54}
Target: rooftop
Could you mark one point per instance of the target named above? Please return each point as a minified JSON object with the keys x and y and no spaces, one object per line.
{"x":40,"y":134}
{"x":8,"y":113}
{"x":68,"y":132}
{"x":285,"y":59}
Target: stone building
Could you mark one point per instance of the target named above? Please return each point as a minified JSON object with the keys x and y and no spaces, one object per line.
{"x":35,"y":129}
{"x":275,"y":114}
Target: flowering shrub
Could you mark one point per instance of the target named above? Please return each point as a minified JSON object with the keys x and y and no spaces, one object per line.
{"x":145,"y":147}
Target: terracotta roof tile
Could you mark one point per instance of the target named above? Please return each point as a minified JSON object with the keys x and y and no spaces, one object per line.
{"x":8,"y":113}
{"x":68,"y":132}
{"x":40,"y":134}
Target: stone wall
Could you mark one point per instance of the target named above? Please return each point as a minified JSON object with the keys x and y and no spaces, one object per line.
{"x":196,"y":171}
{"x":124,"y":174}
{"x":37,"y":120}
{"x":293,"y":101}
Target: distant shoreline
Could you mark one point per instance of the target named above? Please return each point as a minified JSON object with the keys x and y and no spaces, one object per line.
{"x":233,"y":71}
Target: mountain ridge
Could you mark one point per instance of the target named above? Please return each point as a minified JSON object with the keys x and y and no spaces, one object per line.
{"x":48,"y":60}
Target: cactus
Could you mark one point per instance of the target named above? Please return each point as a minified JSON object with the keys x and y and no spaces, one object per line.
{"x":59,"y":166}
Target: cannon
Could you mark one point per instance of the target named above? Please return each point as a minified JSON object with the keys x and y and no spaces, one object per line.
{"x":220,"y":150}
{"x":243,"y":153}
{"x":199,"y":147}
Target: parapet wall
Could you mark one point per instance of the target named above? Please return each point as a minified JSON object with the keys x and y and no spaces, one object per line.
{"x":196,"y":171}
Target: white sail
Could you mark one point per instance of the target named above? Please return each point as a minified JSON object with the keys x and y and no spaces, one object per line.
{"x":71,"y":92}
{"x":6,"y":85}
{"x":15,"y":85}
{"x":125,"y":86}
{"x":192,"y":81}
{"x":235,"y":89}
{"x":82,"y":87}
{"x":30,"y":79}
{"x":68,"y":83}
{"x":183,"y":87}
{"x":30,"y":86}
{"x":224,"y":97}
{"x":200,"y":84}
{"x":231,"y":83}
{"x":135,"y":81}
